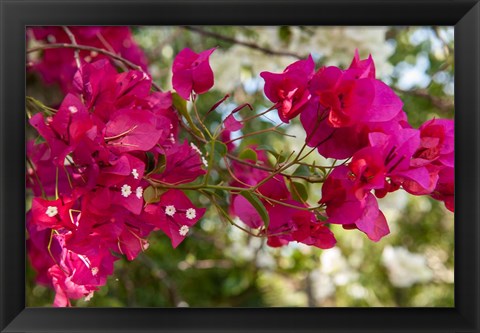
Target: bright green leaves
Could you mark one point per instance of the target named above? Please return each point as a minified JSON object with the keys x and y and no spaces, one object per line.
{"x":218,"y":148}
{"x":299,"y":191}
{"x":249,"y":154}
{"x":181,"y":106}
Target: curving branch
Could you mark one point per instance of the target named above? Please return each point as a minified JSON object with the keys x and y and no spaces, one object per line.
{"x":246,"y":44}
{"x":94,"y":49}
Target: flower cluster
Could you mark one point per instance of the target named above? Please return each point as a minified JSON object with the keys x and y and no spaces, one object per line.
{"x":351,"y":115}
{"x":109,"y":139}
{"x":57,"y":65}
{"x":108,"y":166}
{"x":290,"y":220}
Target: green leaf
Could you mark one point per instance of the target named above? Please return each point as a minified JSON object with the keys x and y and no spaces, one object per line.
{"x":181,"y":106}
{"x":258,"y":205}
{"x":299,"y":191}
{"x":150,"y":162}
{"x":302,"y":170}
{"x":278,"y":156}
{"x":249,"y":154}
{"x":152,"y":195}
{"x":219,"y":148}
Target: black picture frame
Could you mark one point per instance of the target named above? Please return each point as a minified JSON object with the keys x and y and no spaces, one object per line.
{"x":16,"y":14}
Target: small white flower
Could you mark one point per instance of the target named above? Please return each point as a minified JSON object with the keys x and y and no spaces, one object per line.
{"x":195,"y":148}
{"x":94,"y":271}
{"x":172,"y":138}
{"x":191,"y":213}
{"x":183,"y":230}
{"x":170,"y":210}
{"x":205,"y":162}
{"x":139,"y":192}
{"x":126,"y":190}
{"x":51,"y":211}
{"x":72,"y":109}
{"x":135,"y":173}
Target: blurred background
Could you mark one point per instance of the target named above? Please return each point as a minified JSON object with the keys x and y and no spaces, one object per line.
{"x":221,"y":266}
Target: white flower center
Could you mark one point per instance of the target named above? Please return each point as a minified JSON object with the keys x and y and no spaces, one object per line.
{"x":139,"y":192}
{"x":72,"y":109}
{"x":191,"y":213}
{"x":51,"y":211}
{"x":170,"y":210}
{"x":94,"y":271}
{"x":126,"y":190}
{"x":183,"y":230}
{"x":195,"y":148}
{"x":205,"y":162}
{"x":135,"y":173}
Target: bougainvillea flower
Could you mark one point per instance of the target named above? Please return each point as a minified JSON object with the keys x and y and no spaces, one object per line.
{"x":65,"y":129}
{"x":65,"y":289}
{"x":310,"y":231}
{"x":132,"y":130}
{"x":174,"y":215}
{"x":398,"y":149}
{"x":344,"y":207}
{"x":58,"y":65}
{"x":445,"y":189}
{"x":192,"y":72}
{"x":53,"y":214}
{"x":288,"y":90}
{"x":367,"y":171}
{"x":353,"y":100}
{"x":360,"y":69}
{"x":183,"y":164}
{"x":436,"y":143}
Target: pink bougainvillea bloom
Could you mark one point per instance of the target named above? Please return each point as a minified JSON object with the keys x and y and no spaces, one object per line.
{"x":53,"y":214}
{"x":174,"y":215}
{"x":398,"y":149}
{"x":367,"y":171}
{"x":436,"y":143}
{"x":288,"y":90}
{"x":132,"y":130}
{"x":360,"y":69}
{"x":192,"y":72}
{"x":183,"y":164}
{"x":58,"y":65}
{"x":352,"y":100}
{"x":344,"y":207}
{"x":445,"y":189}
{"x":312,"y":232}
{"x":65,"y":129}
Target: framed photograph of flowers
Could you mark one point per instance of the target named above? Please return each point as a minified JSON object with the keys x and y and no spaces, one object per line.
{"x":249,"y":172}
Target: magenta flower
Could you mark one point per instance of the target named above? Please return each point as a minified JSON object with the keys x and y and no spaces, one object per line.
{"x":288,"y":90}
{"x":192,"y":72}
{"x":58,"y":65}
{"x":445,"y":189}
{"x":174,"y":215}
{"x":344,"y":207}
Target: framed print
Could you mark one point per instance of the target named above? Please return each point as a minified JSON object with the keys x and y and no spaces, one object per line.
{"x":273,"y":165}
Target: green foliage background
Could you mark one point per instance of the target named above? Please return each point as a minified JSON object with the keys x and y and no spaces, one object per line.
{"x":219,"y":266}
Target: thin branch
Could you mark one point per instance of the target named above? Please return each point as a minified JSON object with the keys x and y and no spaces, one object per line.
{"x":239,"y":42}
{"x":95,"y":49}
